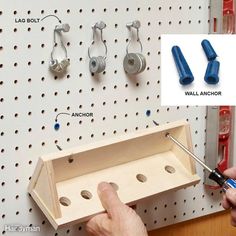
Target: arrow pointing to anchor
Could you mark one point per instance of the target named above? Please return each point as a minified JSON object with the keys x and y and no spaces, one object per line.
{"x":62,"y":113}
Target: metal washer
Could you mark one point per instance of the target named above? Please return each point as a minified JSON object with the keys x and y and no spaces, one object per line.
{"x":143,"y":62}
{"x":132,"y":63}
{"x":97,"y":64}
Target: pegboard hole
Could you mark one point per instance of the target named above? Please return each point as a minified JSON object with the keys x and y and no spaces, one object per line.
{"x":65,"y":201}
{"x":86,"y":194}
{"x":141,"y":178}
{"x":170,"y":169}
{"x":114,"y":186}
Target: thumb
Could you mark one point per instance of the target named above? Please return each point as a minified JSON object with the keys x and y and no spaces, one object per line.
{"x":99,"y":224}
{"x":109,"y":199}
{"x":231,"y":196}
{"x":231,"y":172}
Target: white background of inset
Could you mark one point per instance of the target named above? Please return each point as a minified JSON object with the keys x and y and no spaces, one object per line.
{"x":31,"y":98}
{"x":190,"y":45}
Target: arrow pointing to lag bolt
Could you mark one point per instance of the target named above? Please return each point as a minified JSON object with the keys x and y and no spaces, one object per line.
{"x":51,"y":16}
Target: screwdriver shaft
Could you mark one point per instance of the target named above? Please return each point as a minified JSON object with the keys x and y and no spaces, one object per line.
{"x":188,"y":152}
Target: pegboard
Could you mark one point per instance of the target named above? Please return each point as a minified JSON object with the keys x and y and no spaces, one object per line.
{"x":31,"y":97}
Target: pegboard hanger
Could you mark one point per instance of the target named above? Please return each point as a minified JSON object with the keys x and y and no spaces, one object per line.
{"x":68,"y":180}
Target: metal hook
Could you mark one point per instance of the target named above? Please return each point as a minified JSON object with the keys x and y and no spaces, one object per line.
{"x":57,"y":30}
{"x":136,"y":25}
{"x":98,"y":26}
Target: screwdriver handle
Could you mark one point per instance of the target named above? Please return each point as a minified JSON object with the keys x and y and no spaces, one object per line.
{"x":222,"y":180}
{"x":229,"y":183}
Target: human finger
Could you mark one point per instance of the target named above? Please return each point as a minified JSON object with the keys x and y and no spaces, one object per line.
{"x":109,"y":199}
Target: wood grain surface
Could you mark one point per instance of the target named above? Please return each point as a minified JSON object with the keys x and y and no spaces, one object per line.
{"x":212,"y":225}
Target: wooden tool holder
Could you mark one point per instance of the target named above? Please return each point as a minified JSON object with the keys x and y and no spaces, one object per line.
{"x":139,"y":165}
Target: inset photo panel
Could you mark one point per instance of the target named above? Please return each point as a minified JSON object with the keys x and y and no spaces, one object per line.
{"x":198,"y":69}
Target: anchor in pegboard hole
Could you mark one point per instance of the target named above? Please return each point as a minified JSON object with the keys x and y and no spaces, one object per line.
{"x":76,"y":115}
{"x":148,"y":113}
{"x":57,"y":124}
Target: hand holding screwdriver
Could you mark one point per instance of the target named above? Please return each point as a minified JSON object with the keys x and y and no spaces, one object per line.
{"x":226,"y":181}
{"x":229,"y":198}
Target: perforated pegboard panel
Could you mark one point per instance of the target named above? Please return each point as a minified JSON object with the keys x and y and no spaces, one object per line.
{"x":31,"y":97}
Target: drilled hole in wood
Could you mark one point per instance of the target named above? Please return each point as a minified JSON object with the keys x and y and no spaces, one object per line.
{"x":65,"y":201}
{"x":170,"y":169}
{"x":86,"y":194}
{"x":141,"y":178}
{"x":114,"y":185}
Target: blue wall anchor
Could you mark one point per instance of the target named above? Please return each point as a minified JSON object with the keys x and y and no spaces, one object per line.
{"x":212,"y":72}
{"x":57,"y":126}
{"x":185,"y":74}
{"x":148,"y":113}
{"x":209,"y":50}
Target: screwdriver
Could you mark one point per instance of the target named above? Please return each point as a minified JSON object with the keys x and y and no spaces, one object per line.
{"x":215,"y":174}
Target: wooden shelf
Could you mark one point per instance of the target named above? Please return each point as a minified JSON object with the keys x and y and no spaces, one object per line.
{"x":138,"y":165}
